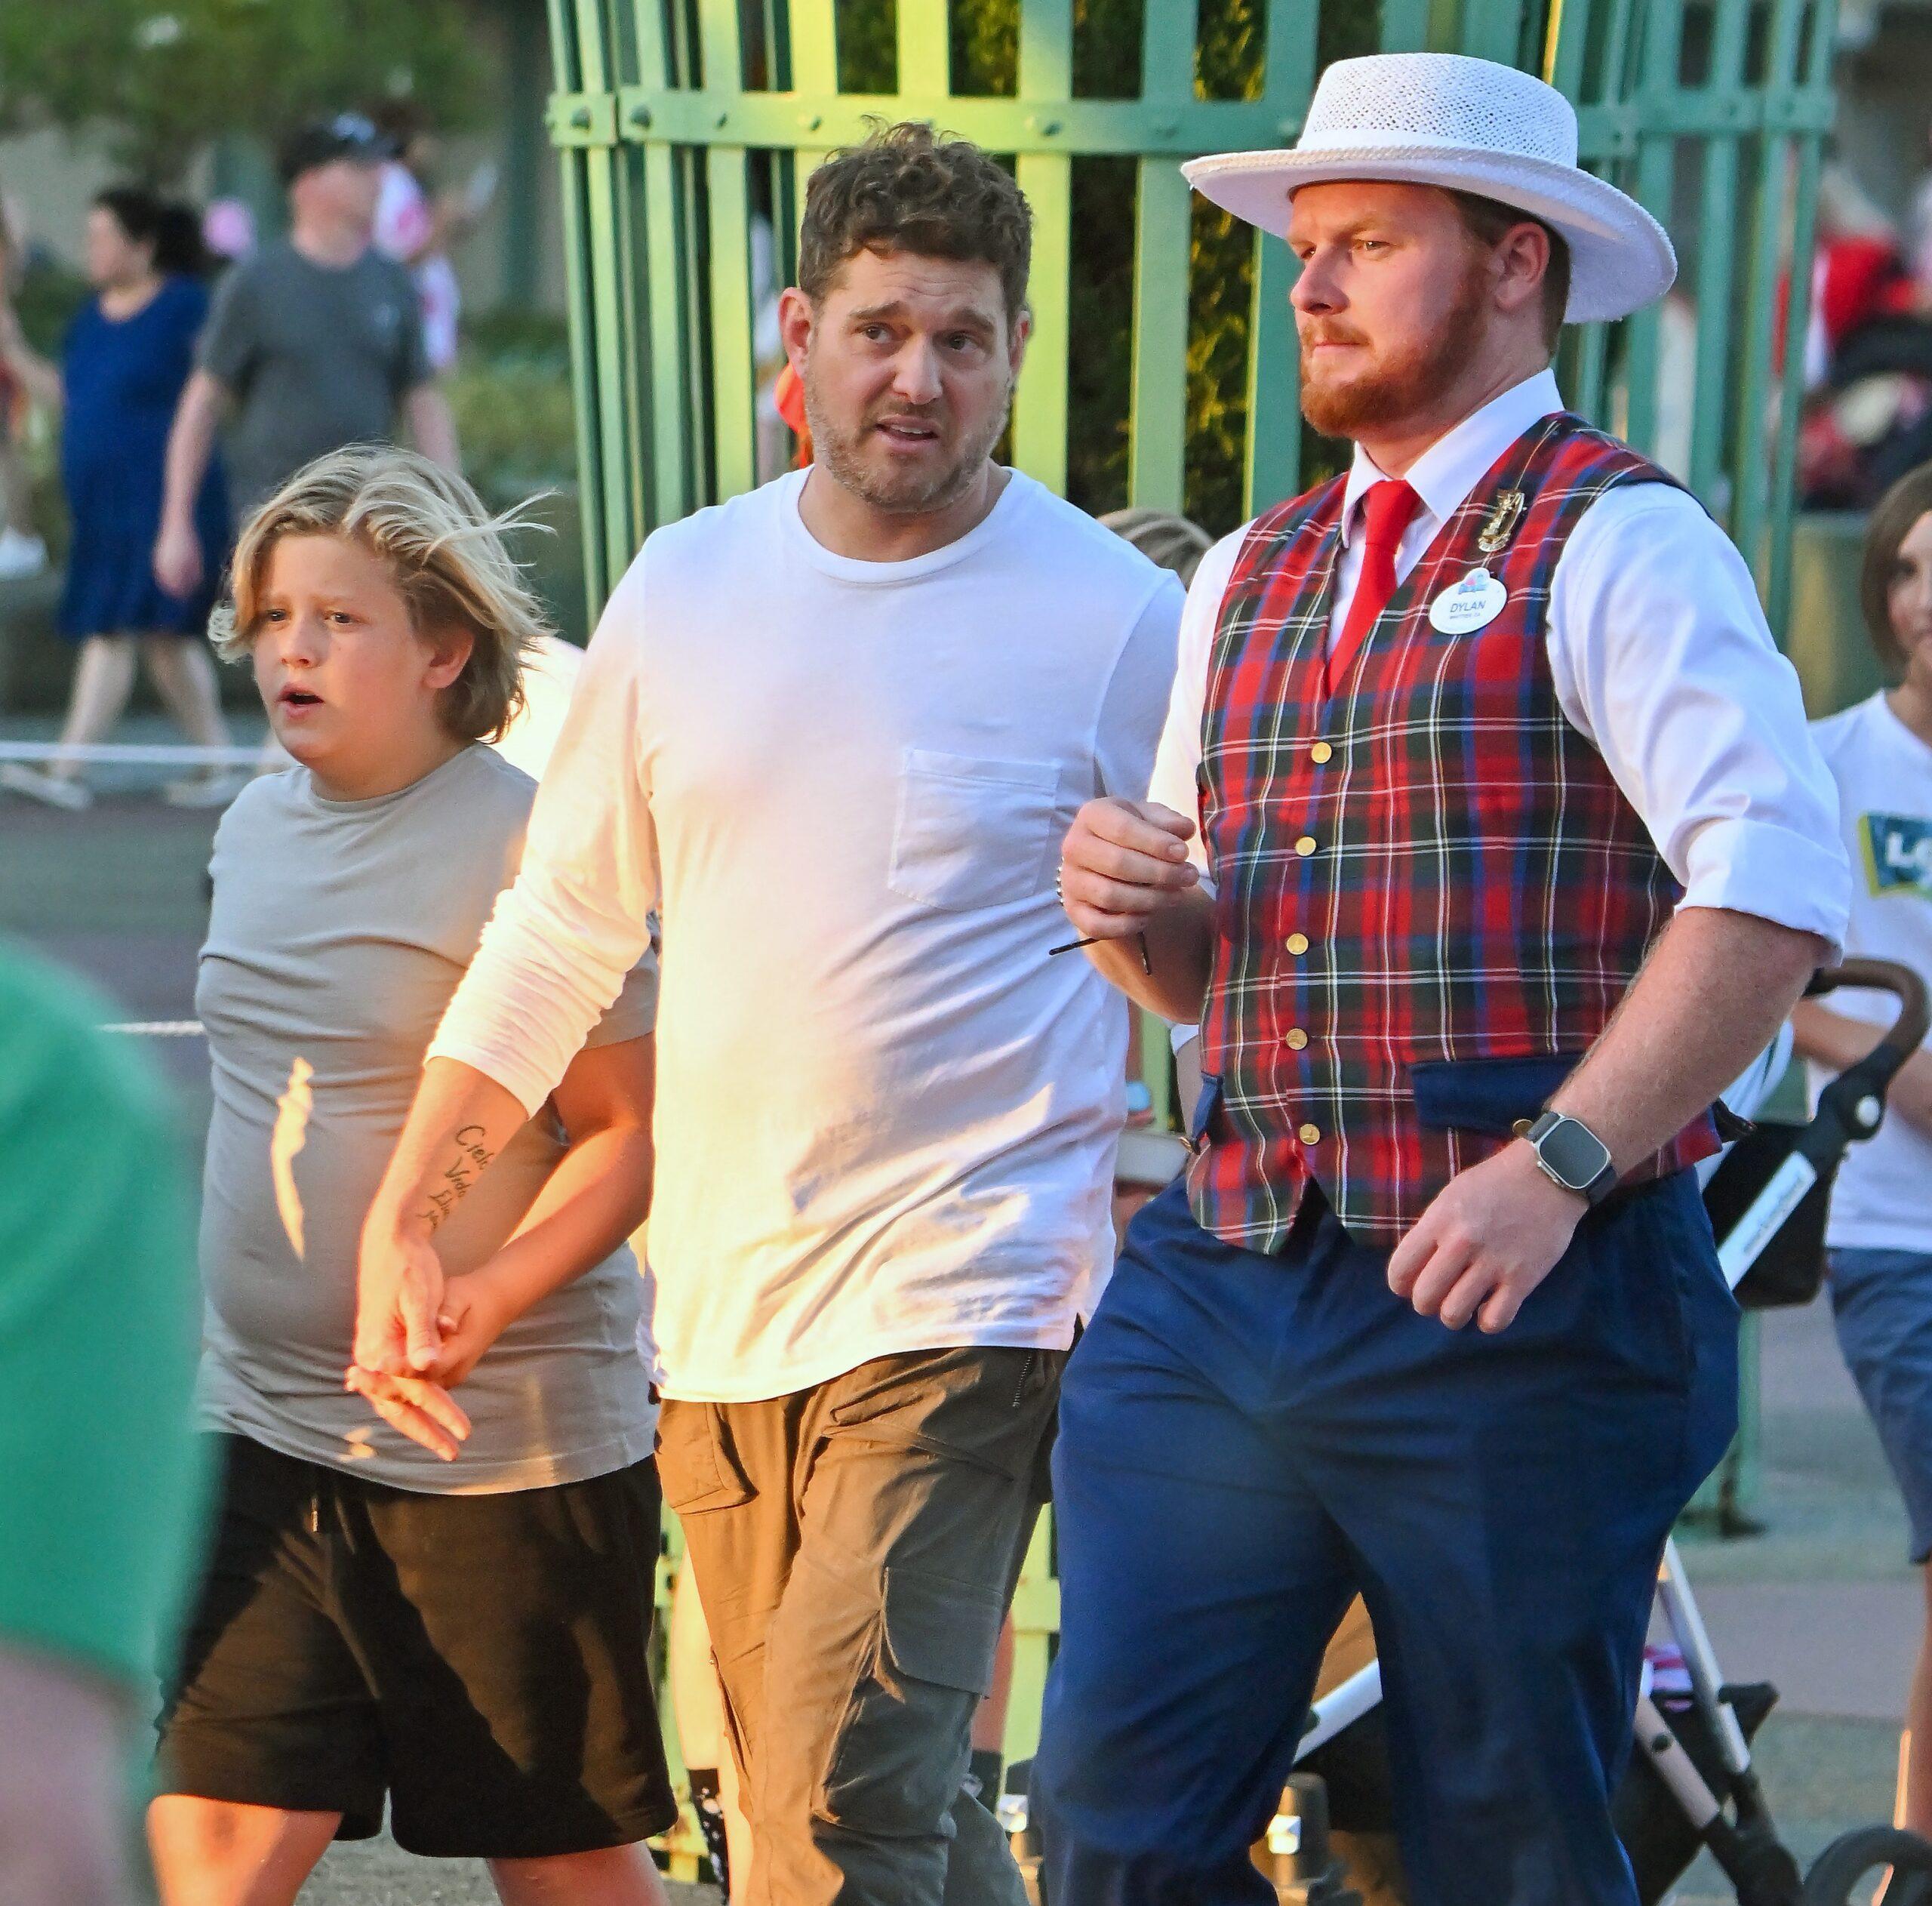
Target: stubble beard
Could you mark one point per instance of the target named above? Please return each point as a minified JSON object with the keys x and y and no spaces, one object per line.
{"x":907,"y":493}
{"x":1403,"y":384}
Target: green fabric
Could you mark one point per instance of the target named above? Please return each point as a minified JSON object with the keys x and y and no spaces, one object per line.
{"x":100,"y":1481}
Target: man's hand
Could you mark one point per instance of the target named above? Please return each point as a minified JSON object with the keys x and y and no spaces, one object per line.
{"x":1122,"y":863}
{"x":177,"y":558}
{"x":399,"y":1293}
{"x":424,"y":1411}
{"x":1487,"y":1239}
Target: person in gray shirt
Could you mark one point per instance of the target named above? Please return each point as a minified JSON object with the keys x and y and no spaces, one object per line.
{"x":312,"y":343}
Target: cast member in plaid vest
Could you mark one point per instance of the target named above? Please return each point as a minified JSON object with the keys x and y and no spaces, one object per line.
{"x":1486,"y":843}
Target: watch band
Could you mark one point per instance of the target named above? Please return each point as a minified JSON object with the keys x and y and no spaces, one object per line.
{"x":1555,"y":1134}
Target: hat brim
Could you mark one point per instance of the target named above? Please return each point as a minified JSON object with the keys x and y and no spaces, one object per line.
{"x":1620,"y":257}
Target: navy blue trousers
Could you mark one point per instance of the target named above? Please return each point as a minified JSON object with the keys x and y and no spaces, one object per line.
{"x":1246,"y":1441}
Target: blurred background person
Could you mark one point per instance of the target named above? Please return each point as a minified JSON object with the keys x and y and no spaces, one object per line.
{"x":416,"y":225}
{"x":22,"y":550}
{"x":312,"y":342}
{"x":100,"y":1483}
{"x":128,"y":354}
{"x":1879,"y":1234}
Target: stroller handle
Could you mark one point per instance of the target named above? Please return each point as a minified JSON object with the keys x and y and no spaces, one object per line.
{"x":1914,"y":1014}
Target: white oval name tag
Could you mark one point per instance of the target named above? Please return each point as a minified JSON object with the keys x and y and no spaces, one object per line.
{"x":1473,"y":603}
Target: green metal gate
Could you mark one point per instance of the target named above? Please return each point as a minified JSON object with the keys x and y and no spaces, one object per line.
{"x":687,"y":129}
{"x":674,"y":118}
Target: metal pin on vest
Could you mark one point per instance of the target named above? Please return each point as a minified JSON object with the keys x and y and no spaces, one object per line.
{"x":1501,"y":525}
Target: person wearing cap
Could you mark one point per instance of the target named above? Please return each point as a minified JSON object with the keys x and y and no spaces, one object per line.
{"x":311,"y":343}
{"x":1486,"y":843}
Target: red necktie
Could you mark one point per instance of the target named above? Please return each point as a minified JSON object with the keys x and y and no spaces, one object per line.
{"x":1388,"y":509}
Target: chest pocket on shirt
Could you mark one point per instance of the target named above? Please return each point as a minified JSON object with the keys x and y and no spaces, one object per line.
{"x":970,"y":832}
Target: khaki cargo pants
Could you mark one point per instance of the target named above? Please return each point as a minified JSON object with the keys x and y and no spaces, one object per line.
{"x":855,"y":1546}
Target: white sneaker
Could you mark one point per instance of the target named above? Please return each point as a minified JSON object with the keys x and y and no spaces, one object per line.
{"x":20,"y":556}
{"x":65,"y":791}
{"x":213,"y":788}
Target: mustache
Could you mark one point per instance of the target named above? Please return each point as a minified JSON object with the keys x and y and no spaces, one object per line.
{"x":1331,"y":333}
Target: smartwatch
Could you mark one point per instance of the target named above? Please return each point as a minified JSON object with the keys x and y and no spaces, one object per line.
{"x":1571,"y":1155}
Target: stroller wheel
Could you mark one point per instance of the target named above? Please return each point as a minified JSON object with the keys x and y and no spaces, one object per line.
{"x":1848,"y":1871}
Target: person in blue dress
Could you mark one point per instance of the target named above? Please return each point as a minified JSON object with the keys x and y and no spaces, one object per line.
{"x":127,"y":355}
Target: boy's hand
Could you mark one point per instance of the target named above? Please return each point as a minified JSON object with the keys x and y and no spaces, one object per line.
{"x":476,"y":1312}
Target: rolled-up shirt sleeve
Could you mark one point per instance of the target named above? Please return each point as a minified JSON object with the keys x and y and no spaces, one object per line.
{"x":1663,"y":662}
{"x":1175,"y":783}
{"x":567,"y":933}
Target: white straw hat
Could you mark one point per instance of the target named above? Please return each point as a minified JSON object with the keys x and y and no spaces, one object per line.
{"x":1471,"y":126}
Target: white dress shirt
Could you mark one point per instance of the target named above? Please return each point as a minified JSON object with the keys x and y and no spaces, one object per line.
{"x":1662,"y":661}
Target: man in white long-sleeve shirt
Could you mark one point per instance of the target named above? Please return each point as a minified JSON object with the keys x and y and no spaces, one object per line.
{"x":837,"y":729}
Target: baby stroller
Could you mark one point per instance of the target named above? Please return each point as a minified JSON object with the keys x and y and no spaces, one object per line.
{"x":1690,"y":1784}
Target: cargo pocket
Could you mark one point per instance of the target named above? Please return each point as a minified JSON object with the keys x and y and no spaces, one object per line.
{"x":695,"y":1469}
{"x":899,"y":1755}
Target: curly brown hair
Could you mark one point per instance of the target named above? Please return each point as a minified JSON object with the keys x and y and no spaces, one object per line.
{"x":905,"y":188}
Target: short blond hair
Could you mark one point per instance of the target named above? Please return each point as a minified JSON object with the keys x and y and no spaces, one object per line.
{"x":444,"y":552}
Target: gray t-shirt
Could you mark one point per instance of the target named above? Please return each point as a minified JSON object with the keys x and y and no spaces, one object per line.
{"x":338,"y":932}
{"x":316,"y":357}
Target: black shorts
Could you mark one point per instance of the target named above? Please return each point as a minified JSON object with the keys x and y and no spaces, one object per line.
{"x":480,"y":1660}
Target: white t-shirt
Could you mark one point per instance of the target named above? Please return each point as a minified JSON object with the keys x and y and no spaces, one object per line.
{"x":1884,"y":1198}
{"x":886,"y":1119}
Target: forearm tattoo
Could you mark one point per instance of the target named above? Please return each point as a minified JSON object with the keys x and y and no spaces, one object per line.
{"x":468,"y":1162}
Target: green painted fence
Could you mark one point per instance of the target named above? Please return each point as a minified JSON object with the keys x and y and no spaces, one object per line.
{"x":687,"y":129}
{"x":1710,"y":114}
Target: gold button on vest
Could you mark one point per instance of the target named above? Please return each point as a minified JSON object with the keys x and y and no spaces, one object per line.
{"x":1297,"y":1038}
{"x":1305,"y":845}
{"x":1320,"y":753}
{"x":1310,"y":1134}
{"x":1297,"y":943}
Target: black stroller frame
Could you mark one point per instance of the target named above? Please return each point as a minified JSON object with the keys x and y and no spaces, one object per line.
{"x":1692,"y":1785}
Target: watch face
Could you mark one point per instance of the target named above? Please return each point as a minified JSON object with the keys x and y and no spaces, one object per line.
{"x":1573,"y":1154}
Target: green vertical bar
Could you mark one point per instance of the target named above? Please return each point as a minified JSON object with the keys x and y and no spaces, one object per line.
{"x":814,"y":50}
{"x":925,"y":50}
{"x":734,"y":373}
{"x":1157,"y":445}
{"x":1274,"y":411}
{"x":1585,"y":395}
{"x":1492,"y":29}
{"x":1157,"y":452}
{"x":1754,"y":484}
{"x":577,"y":267}
{"x":1566,"y":40}
{"x":1274,"y":380}
{"x":1404,"y":26}
{"x":1046,"y":76}
{"x":1655,"y":172}
{"x":1716,"y":265}
{"x":604,"y":204}
{"x":667,"y":378}
{"x":1817,"y":68}
{"x":1035,"y":1622}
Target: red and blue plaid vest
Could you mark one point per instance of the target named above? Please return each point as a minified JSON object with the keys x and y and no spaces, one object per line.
{"x":1431,"y":895}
